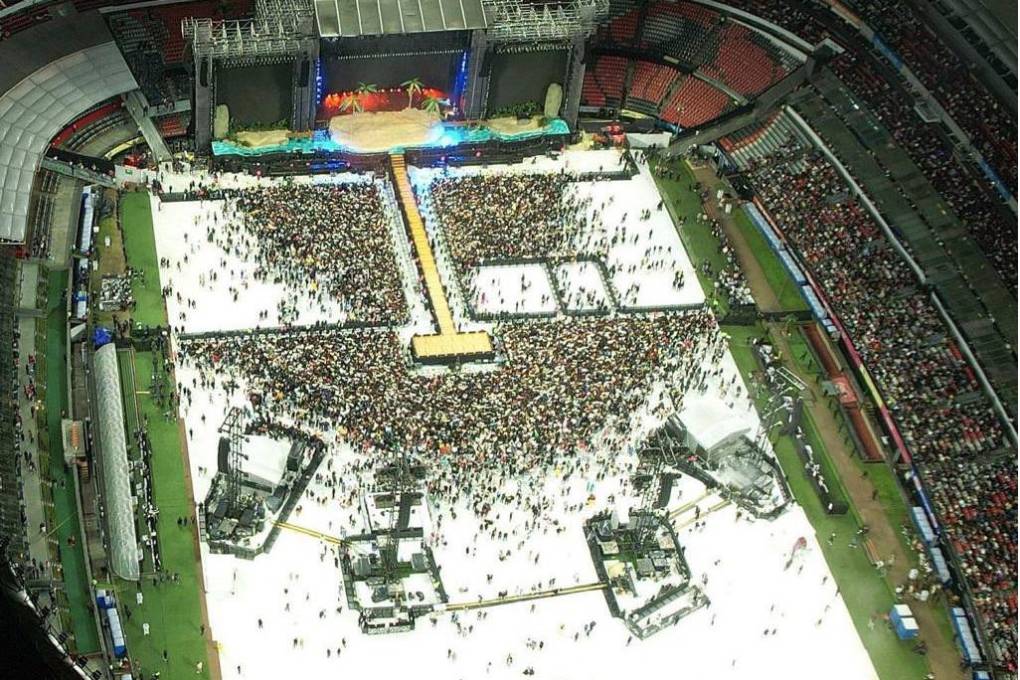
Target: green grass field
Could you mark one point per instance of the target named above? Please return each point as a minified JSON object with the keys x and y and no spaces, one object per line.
{"x":865,"y":592}
{"x":65,"y":508}
{"x":701,"y":245}
{"x":140,"y":250}
{"x":779,"y":279}
{"x":803,"y":355}
{"x":172,"y":610}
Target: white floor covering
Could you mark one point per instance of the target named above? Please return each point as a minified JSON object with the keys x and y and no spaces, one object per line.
{"x":296,"y":589}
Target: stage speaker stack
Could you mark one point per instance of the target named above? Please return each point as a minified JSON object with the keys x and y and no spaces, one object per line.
{"x":223,"y":456}
{"x":303,"y":78}
{"x":203,"y":72}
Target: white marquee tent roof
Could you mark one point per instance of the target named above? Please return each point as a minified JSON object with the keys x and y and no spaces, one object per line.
{"x":120,"y":515}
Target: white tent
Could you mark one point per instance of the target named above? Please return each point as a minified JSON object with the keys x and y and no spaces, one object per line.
{"x":120,"y":516}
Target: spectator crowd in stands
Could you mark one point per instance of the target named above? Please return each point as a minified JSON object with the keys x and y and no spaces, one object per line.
{"x":992,"y":129}
{"x":987,"y":220}
{"x":946,"y":421}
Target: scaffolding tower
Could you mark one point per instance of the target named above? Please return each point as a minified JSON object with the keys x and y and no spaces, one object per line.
{"x":662,"y":450}
{"x":233,"y":429}
{"x":522,"y":21}
{"x":398,"y":479}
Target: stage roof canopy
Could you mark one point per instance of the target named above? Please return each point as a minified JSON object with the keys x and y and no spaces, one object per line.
{"x":352,"y":18}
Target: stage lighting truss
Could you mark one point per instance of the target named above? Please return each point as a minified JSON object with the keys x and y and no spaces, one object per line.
{"x":523,"y":21}
{"x":235,"y":39}
{"x":280,"y":28}
{"x":271,"y":10}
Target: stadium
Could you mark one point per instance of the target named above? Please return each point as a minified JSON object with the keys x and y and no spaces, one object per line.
{"x":502,"y":338}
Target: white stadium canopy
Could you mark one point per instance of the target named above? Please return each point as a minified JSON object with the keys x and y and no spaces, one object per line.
{"x":37,"y":108}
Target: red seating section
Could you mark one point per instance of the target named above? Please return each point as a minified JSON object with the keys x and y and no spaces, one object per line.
{"x":16,"y":23}
{"x":651,"y":82}
{"x":159,"y":28}
{"x":84,"y":121}
{"x":678,"y":28}
{"x":741,"y":63}
{"x":603,"y":81}
{"x":171,"y":126}
{"x":694,"y":103}
{"x":624,"y":27}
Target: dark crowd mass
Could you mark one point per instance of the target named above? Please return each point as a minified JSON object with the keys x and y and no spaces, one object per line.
{"x":506,"y":216}
{"x":560,"y":383}
{"x":333,"y":238}
{"x":991,"y":127}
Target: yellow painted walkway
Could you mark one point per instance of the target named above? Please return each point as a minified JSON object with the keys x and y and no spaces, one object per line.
{"x":718,"y":506}
{"x":449,"y":341}
{"x":311,"y":532}
{"x":462,"y":606}
{"x":539,"y":595}
{"x":687,"y":506}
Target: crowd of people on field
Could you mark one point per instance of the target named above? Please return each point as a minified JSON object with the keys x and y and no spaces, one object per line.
{"x":506,"y":216}
{"x":333,"y":239}
{"x":520,"y":217}
{"x":947,"y":424}
{"x":561,"y":383}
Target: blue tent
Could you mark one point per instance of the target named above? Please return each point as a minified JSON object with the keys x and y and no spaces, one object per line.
{"x":101,"y":336}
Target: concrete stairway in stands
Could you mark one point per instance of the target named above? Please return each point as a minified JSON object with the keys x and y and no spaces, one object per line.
{"x":136,"y":105}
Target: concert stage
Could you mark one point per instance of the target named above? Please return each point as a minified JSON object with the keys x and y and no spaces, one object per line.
{"x":394,"y":132}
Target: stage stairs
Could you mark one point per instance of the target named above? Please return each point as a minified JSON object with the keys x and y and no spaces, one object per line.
{"x":136,"y":105}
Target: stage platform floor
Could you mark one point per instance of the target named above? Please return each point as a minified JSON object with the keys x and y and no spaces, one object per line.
{"x":473,"y":345}
{"x":449,"y":343}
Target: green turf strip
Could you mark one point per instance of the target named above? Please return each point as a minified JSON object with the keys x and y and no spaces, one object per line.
{"x":782,"y":284}
{"x":65,"y":508}
{"x":699,"y":242}
{"x":864,"y":591}
{"x":172,"y":610}
{"x":140,"y":249}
